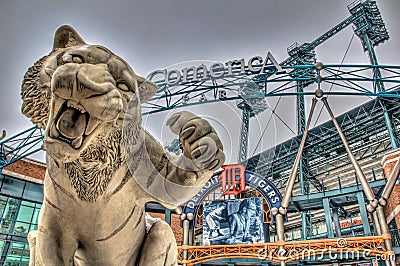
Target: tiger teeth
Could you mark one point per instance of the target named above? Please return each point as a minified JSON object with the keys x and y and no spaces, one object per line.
{"x":77,"y":143}
{"x":76,"y":105}
{"x":54,"y":132}
{"x":92,"y":125}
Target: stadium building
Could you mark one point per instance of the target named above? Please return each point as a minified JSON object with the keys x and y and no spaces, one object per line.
{"x":325,"y":197}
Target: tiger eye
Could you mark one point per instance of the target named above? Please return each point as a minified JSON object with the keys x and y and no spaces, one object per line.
{"x":77,"y":59}
{"x":123,"y":86}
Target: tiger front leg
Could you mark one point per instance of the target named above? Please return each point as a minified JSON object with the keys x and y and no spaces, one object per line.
{"x":53,"y":243}
{"x":32,"y":236}
{"x":202,"y":149}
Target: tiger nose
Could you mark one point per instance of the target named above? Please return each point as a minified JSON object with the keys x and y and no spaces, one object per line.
{"x":94,"y":80}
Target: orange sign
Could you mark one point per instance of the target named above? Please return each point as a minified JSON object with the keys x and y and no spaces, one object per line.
{"x":354,"y":222}
{"x":232,"y":179}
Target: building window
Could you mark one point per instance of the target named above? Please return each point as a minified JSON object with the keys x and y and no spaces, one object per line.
{"x":18,"y":217}
{"x":9,"y":209}
{"x":18,"y":254}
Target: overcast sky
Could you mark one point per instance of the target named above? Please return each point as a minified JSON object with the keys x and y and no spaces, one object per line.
{"x":154,"y":34}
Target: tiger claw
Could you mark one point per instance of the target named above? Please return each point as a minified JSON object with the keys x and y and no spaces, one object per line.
{"x":178,"y":120}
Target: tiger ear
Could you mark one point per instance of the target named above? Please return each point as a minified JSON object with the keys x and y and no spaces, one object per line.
{"x":65,"y":37}
{"x":147,"y":89}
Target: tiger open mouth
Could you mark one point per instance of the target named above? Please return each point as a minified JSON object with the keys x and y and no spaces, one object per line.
{"x":73,"y":124}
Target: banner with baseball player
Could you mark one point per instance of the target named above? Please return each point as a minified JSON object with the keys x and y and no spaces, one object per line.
{"x":238,"y":221}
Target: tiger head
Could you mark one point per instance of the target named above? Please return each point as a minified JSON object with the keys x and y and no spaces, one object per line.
{"x":80,"y":93}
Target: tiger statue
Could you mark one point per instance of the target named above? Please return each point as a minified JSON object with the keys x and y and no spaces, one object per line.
{"x":102,"y":166}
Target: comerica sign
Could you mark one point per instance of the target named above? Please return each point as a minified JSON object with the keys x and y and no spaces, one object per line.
{"x":255,"y":65}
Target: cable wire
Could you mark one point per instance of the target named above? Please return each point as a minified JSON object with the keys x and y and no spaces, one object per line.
{"x":265,"y":128}
{"x":333,"y":83}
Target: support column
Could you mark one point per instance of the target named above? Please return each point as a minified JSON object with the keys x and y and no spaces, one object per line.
{"x":244,"y":132}
{"x":389,"y":126}
{"x":328,"y":217}
{"x":306,"y":225}
{"x":191,"y":236}
{"x":185,"y":237}
{"x":384,"y":227}
{"x":280,"y":233}
{"x":267,"y":238}
{"x":363,"y":213}
{"x":336,"y":222}
{"x":167,"y":214}
{"x":381,"y":88}
{"x":377,"y":226}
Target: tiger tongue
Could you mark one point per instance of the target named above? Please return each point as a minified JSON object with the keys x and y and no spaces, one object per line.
{"x":72,"y":123}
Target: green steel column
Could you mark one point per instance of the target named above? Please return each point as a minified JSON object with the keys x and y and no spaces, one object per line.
{"x":328,"y":217}
{"x":244,"y":133}
{"x":389,"y":126}
{"x":363,"y":213}
{"x":336,"y":222}
{"x":306,"y":217}
{"x":167,"y":214}
{"x":267,"y":237}
{"x":381,"y":87}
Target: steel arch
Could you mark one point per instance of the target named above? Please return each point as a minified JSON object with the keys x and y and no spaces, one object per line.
{"x":347,"y":80}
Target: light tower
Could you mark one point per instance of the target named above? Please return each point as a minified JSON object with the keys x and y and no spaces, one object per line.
{"x":370,"y":28}
{"x":252,"y":103}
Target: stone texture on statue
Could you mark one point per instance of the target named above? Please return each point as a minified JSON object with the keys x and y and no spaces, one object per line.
{"x":392,"y":208}
{"x":102,"y":167}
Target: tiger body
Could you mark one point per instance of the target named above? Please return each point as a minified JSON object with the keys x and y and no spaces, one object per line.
{"x":102,"y":167}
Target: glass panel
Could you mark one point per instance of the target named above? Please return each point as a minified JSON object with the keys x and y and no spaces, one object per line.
{"x":33,"y":192}
{"x":11,"y":209}
{"x":25,"y":214}
{"x":28,"y":203}
{"x":33,"y":227}
{"x":9,"y":215}
{"x":35,"y":216}
{"x":21,"y":229}
{"x":18,"y":254}
{"x":18,"y":217}
{"x":2,"y":243}
{"x":5,"y":226}
{"x":3,"y":203}
{"x":12,"y":187}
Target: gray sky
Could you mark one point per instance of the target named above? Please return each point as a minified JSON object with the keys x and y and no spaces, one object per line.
{"x":154,"y":34}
